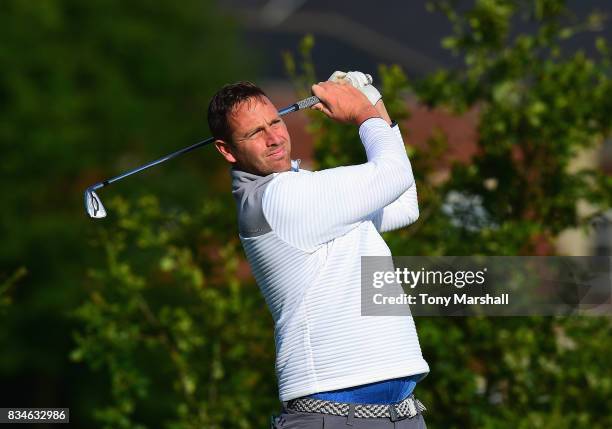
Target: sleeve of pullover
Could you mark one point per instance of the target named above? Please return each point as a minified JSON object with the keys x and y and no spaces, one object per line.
{"x":307,"y":209}
{"x":401,"y":212}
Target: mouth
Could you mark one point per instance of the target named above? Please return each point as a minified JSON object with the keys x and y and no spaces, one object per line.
{"x":277,"y":153}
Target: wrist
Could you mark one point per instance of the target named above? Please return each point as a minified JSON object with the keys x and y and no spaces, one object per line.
{"x":382,"y":111}
{"x":366,"y":113}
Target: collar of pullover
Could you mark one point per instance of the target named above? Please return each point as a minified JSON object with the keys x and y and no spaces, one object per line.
{"x":241,"y":180}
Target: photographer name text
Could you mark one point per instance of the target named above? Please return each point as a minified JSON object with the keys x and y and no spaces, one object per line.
{"x":427,"y":299}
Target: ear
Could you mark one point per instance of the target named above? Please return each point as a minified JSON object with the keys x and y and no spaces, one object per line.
{"x":225,"y":149}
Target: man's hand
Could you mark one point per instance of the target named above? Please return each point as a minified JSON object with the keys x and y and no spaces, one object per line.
{"x":359,"y":80}
{"x":363,"y":82}
{"x":343,"y":103}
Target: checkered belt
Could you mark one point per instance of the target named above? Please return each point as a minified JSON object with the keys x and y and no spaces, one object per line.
{"x":409,"y":407}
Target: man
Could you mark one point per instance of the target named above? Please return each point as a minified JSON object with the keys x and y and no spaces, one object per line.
{"x":304,"y":234}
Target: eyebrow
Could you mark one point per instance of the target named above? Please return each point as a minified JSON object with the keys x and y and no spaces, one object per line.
{"x":259,"y":128}
{"x":253,"y":131}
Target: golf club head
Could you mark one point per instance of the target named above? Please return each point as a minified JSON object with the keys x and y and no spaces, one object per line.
{"x":93,"y":205}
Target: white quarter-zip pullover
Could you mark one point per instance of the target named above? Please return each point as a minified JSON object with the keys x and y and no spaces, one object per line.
{"x":304,"y":234}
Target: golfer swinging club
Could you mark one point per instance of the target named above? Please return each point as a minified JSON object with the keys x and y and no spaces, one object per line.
{"x":304,"y":233}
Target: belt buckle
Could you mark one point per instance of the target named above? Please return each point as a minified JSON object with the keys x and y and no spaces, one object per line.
{"x":393,"y":415}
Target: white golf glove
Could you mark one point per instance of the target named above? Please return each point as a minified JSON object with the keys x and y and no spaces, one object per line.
{"x":361,"y":81}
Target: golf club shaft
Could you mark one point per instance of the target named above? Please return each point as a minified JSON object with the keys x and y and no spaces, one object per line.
{"x":302,"y":104}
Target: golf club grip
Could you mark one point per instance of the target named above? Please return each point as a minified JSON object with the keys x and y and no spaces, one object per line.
{"x":307,"y":102}
{"x":311,"y":101}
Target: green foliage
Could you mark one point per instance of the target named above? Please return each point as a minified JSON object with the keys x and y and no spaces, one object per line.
{"x":88,"y":90}
{"x":538,"y":108}
{"x":186,"y":343}
{"x":5,"y":288}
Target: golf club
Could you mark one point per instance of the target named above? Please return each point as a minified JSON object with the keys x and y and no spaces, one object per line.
{"x":93,"y":205}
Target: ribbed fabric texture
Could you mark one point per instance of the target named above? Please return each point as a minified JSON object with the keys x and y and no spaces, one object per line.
{"x":308,"y":268}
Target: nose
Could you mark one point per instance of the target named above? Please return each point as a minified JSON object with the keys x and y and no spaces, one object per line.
{"x":274,"y":137}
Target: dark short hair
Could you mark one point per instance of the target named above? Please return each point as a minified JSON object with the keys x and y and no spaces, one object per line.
{"x":224,"y":101}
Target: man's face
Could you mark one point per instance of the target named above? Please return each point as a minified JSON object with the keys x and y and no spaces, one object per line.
{"x":260,"y":141}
